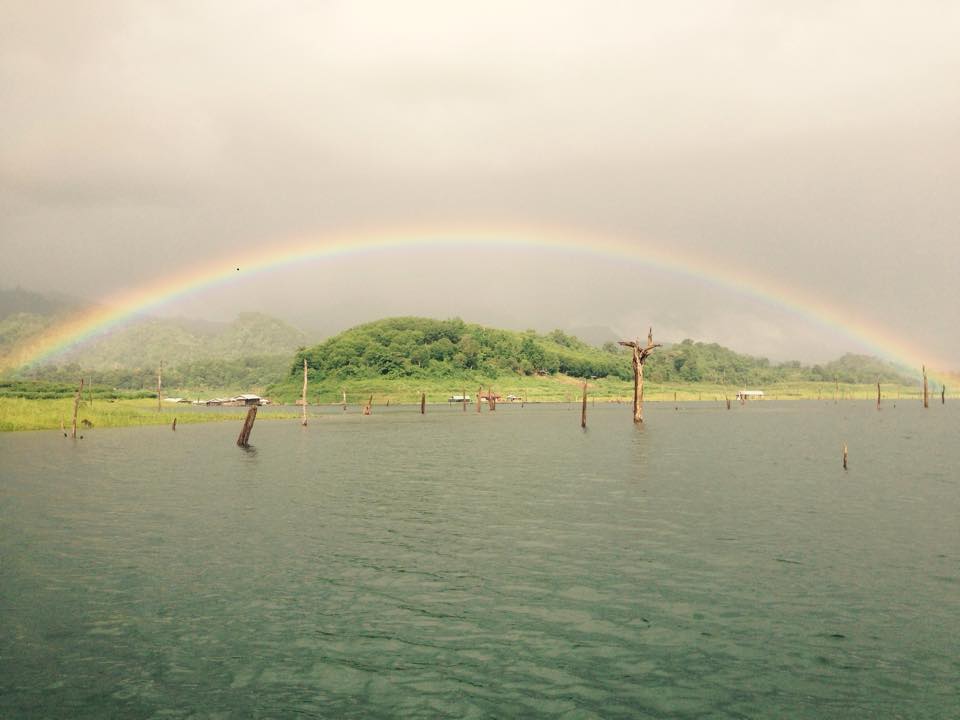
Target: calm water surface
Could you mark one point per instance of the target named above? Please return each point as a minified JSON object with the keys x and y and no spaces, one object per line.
{"x":712,"y":564}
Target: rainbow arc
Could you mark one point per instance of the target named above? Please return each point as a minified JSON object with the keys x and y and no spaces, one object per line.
{"x":116,"y":310}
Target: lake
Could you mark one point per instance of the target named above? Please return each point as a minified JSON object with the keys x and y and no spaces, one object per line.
{"x":712,"y":563}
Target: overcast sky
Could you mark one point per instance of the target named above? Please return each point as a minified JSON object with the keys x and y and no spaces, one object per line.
{"x":815,"y":143}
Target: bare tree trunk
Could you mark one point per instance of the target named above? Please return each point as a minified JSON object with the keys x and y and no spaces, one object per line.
{"x":368,"y":408}
{"x":423,"y":403}
{"x":479,"y":393}
{"x":464,"y":399}
{"x":344,"y":400}
{"x":926,"y":395}
{"x":159,"y":386}
{"x":244,"y":439}
{"x":303,"y":394}
{"x":491,"y":400}
{"x":943,"y":394}
{"x":728,"y":402}
{"x":639,"y":357}
{"x":583,"y":407}
{"x":76,"y":405}
{"x":174,"y":426}
{"x":878,"y":393}
{"x":844,"y":456}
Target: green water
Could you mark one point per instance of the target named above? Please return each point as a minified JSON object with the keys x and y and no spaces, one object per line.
{"x":713,"y":564}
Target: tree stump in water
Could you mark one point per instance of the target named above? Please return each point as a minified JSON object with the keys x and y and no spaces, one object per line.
{"x":76,"y":405}
{"x":583,"y":407}
{"x":303,"y":394}
{"x":244,"y":439}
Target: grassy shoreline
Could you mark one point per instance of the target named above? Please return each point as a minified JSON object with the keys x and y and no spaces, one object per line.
{"x":46,"y":414}
{"x":562,"y":388}
{"x":34,"y":414}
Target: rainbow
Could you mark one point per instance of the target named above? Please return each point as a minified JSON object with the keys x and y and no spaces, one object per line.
{"x":116,"y":310}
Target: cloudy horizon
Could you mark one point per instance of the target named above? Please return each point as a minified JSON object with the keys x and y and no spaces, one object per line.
{"x":813,"y":146}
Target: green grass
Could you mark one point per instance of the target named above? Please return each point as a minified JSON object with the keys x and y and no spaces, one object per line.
{"x":40,"y":414}
{"x":561,"y":388}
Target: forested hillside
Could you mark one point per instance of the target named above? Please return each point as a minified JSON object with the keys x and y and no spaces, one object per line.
{"x":411,"y":347}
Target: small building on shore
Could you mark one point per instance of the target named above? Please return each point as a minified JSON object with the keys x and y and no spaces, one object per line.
{"x":750,"y":395}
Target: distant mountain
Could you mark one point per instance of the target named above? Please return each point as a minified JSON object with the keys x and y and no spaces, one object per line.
{"x":144,"y":343}
{"x":853,"y":368}
{"x":176,"y":341}
{"x":595,"y":335}
{"x":18,"y":301}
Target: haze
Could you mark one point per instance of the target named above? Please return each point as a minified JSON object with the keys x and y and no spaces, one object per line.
{"x":815,"y":144}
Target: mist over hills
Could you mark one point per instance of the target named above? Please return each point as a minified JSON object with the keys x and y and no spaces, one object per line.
{"x":256,"y":350}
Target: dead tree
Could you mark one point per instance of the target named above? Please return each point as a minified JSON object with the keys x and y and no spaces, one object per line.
{"x":423,"y":403}
{"x":464,"y":399}
{"x":244,"y":439}
{"x":844,"y":456}
{"x":479,"y":393}
{"x":640,"y":354}
{"x":583,"y":407}
{"x":174,"y":426}
{"x":303,"y":395}
{"x":943,"y":394}
{"x":926,"y":395}
{"x":76,"y":405}
{"x":878,"y":393}
{"x":368,"y":408}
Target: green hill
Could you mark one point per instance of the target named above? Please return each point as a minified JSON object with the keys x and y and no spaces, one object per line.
{"x":399,"y":355}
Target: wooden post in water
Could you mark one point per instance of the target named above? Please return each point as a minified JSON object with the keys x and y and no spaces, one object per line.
{"x":174,"y":426}
{"x":639,"y":357}
{"x":368,"y":408}
{"x":303,"y":394}
{"x":728,"y":402}
{"x":926,"y":396}
{"x":878,"y":393}
{"x":423,"y":403}
{"x":583,"y":407}
{"x":344,"y":400}
{"x":464,"y":399}
{"x":479,"y":393}
{"x":836,"y":389}
{"x":943,"y":394}
{"x":159,"y":386}
{"x":76,"y":405}
{"x":244,"y":439}
{"x":844,"y":456}
{"x":491,"y":400}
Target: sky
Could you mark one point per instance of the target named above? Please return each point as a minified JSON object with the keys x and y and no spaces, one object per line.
{"x":815,"y":146}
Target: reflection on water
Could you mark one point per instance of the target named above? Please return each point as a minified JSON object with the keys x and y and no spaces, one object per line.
{"x":713,"y":563}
